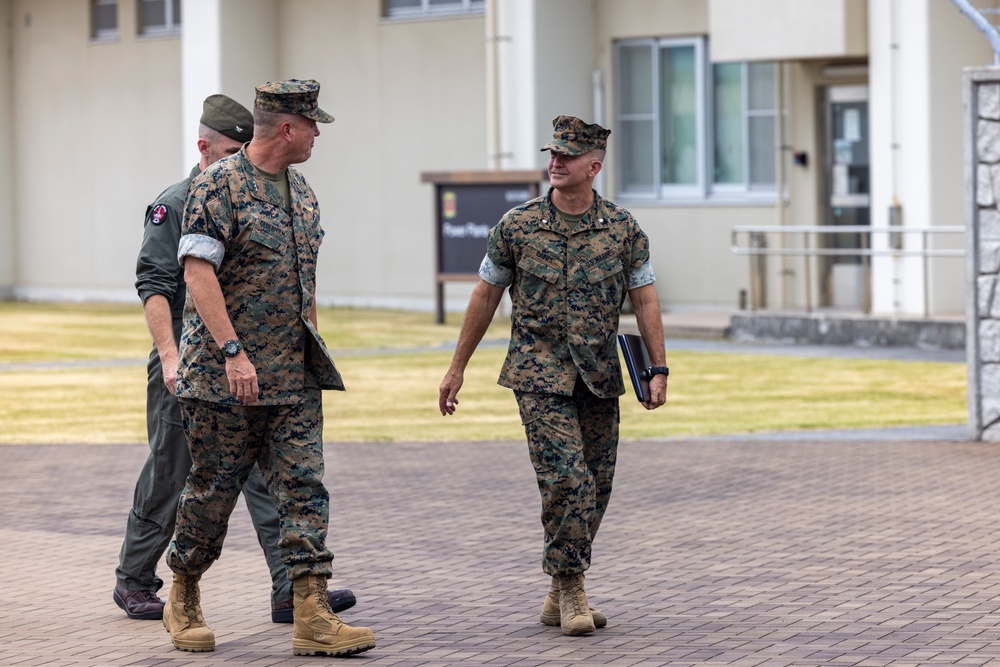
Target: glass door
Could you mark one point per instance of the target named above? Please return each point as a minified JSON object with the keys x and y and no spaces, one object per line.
{"x":846,"y":283}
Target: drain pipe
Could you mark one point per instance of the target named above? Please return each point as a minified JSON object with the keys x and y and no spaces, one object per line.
{"x":984,"y":26}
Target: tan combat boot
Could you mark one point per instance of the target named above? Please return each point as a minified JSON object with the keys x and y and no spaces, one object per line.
{"x":574,"y":614}
{"x":182,"y":616}
{"x":550,"y":609}
{"x":317,"y":630}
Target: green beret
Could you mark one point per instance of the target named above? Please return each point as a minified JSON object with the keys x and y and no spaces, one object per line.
{"x":574,"y":137}
{"x":228,"y":117}
{"x":292,"y":96}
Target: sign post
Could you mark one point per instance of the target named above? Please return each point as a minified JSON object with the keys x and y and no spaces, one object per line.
{"x":466,"y":206}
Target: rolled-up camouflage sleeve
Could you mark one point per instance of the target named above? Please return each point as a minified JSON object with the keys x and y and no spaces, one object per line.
{"x":497,"y":267}
{"x":642,"y":275}
{"x":495,"y":275}
{"x":202,"y":247}
{"x":207,"y":223}
{"x":640,"y":268}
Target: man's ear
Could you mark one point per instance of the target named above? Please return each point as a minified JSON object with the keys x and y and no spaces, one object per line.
{"x":595,"y":167}
{"x":203,"y":146}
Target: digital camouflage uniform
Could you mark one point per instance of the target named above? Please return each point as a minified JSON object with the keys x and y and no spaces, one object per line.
{"x":265,"y":259}
{"x":151,"y":521}
{"x":567,"y":287}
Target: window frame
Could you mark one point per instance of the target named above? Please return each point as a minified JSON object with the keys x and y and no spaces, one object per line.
{"x":705,"y":187}
{"x":103,"y":34}
{"x":427,"y":10}
{"x":171,"y":25}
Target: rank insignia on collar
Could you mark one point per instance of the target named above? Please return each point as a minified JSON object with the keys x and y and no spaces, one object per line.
{"x":158,"y":213}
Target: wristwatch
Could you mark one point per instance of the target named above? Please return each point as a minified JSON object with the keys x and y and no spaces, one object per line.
{"x":648,"y":373}
{"x":231,"y":347}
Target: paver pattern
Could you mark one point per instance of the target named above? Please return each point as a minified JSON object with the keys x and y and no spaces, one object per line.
{"x":712,"y":553}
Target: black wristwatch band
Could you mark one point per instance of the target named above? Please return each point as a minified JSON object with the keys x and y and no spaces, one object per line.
{"x":648,"y":373}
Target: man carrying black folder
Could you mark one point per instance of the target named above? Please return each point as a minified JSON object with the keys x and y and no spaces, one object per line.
{"x":569,"y":258}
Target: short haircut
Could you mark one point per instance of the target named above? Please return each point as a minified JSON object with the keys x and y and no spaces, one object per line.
{"x":210,"y":135}
{"x":267,"y":121}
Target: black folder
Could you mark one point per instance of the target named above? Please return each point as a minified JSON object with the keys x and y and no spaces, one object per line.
{"x":636,"y":360}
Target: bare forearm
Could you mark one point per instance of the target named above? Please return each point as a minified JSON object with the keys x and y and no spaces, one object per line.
{"x":159,"y":321}
{"x":646,"y":304}
{"x":203,"y":285}
{"x":478,"y":316}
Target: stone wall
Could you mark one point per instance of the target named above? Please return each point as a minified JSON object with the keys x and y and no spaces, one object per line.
{"x":982,"y":148}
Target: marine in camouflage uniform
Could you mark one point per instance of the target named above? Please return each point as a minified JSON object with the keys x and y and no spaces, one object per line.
{"x":225,"y":126}
{"x":252,"y":367}
{"x":569,"y":258}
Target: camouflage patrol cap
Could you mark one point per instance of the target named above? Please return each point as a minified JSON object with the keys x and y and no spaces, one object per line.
{"x":574,"y":137}
{"x":228,"y":117}
{"x":292,"y":96}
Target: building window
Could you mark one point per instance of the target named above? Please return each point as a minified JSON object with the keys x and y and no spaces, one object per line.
{"x":104,"y":19}
{"x":159,"y":17}
{"x":424,"y":8}
{"x":689,"y":129}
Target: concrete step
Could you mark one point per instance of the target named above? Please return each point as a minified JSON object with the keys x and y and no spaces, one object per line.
{"x":849,"y":329}
{"x":692,"y":325}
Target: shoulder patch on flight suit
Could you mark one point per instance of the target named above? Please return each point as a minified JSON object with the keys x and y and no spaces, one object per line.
{"x":158,"y":214}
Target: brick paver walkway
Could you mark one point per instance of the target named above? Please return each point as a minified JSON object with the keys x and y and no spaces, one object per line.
{"x":712,"y":553}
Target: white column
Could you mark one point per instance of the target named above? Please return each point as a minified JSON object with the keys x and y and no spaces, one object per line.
{"x":517,"y":67}
{"x":918,"y":49}
{"x":201,"y":66}
{"x":228,"y":47}
{"x":8,"y":236}
{"x":545,"y":63}
{"x":900,"y":162}
{"x":883,"y":98}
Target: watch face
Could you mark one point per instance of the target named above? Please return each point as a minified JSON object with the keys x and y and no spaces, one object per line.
{"x":231,"y":348}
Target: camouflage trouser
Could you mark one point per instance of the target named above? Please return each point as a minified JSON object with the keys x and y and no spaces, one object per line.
{"x":150,"y":525}
{"x":573,"y":442}
{"x":225,"y":441}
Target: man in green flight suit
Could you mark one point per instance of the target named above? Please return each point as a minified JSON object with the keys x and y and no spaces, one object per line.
{"x":253,"y":367}
{"x":569,"y":259}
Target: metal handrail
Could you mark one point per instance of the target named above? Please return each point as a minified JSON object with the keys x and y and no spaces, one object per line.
{"x":895,"y":250}
{"x":844,"y":229}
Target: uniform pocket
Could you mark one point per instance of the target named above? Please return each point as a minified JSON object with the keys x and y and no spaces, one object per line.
{"x":607,"y":283}
{"x":544,"y":268}
{"x":270,"y":241}
{"x":538,"y":281}
{"x":604,"y":270}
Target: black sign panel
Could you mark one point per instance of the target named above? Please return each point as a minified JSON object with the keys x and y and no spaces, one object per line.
{"x":465,"y":215}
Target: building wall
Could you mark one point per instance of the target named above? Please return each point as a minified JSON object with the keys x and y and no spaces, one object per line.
{"x":97,"y":137}
{"x":690,"y":243}
{"x":101,"y":128}
{"x":408,"y":96}
{"x":228,"y":47}
{"x":788,"y":29}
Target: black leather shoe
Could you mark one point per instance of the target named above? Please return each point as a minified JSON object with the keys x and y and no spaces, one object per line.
{"x":139,"y":605}
{"x":340,"y":599}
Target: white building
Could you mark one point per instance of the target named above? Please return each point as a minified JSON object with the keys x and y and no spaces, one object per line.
{"x":847,"y":107}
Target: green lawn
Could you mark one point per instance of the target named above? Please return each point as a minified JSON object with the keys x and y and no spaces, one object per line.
{"x":393,"y":397}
